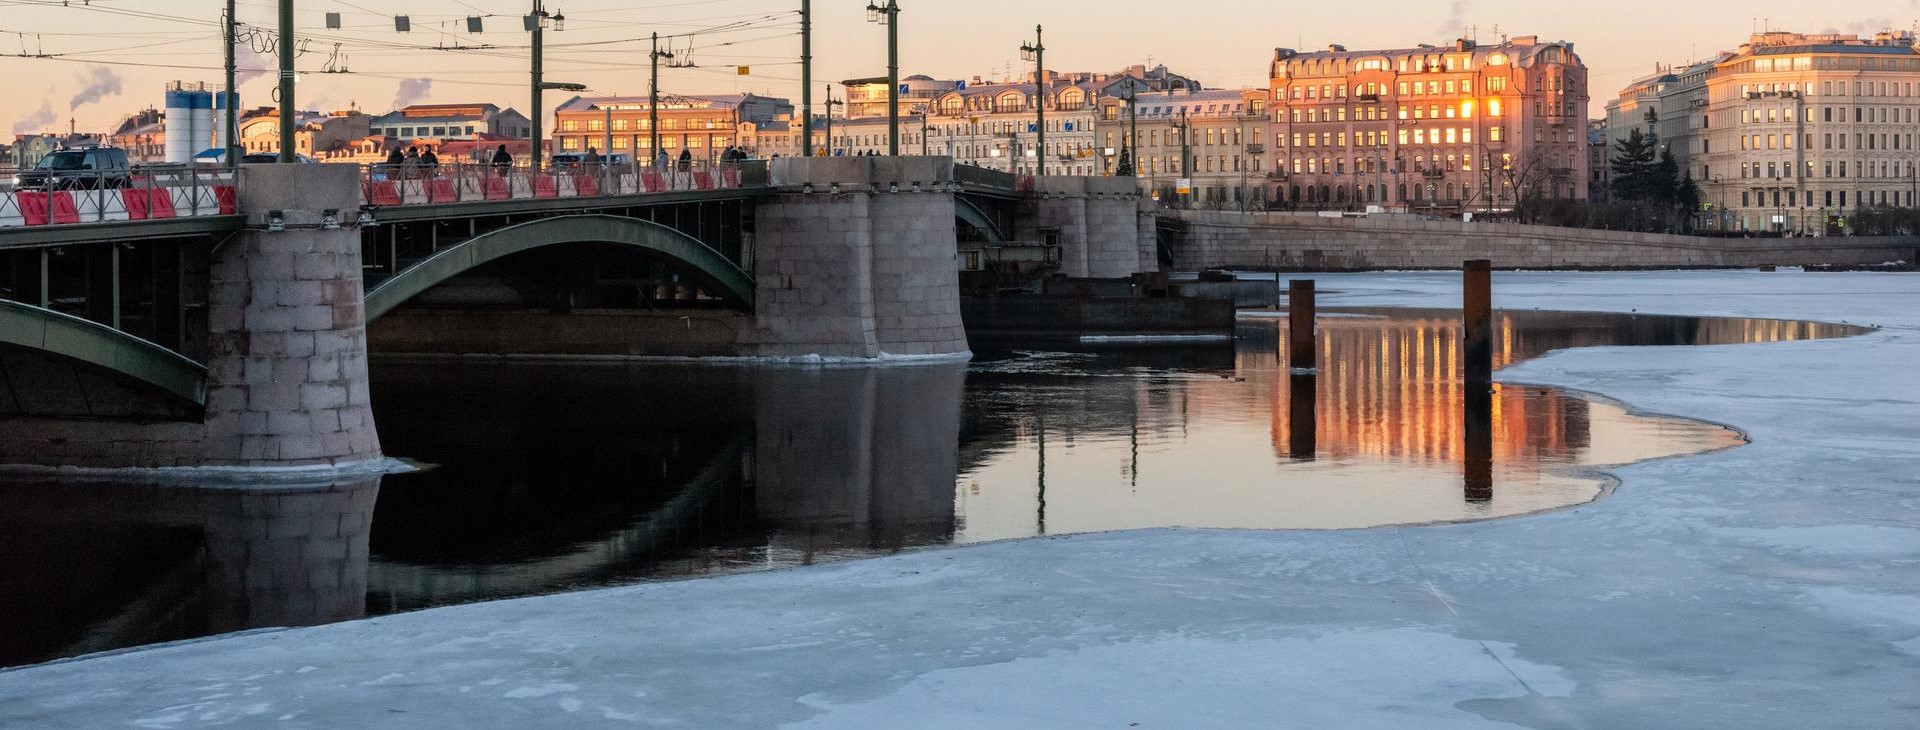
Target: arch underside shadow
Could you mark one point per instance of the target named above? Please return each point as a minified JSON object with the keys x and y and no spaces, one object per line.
{"x":973,"y":216}
{"x":727,"y":279}
{"x":94,"y":345}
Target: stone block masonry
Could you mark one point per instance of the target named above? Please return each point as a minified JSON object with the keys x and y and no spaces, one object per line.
{"x":1290,"y":241}
{"x":855,"y":257}
{"x":286,"y":347}
{"x":1095,"y":220}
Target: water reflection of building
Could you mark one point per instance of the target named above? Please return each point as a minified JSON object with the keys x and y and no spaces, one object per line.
{"x":93,"y":567}
{"x":1390,"y":388}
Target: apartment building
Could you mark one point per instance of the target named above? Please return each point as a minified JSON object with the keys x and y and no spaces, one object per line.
{"x":1463,"y":127}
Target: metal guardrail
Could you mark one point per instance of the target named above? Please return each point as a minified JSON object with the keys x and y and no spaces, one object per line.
{"x":31,"y":198}
{"x":385,"y":185}
{"x":983,"y":177}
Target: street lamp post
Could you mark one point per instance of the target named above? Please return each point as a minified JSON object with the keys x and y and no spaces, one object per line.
{"x":924,"y":114}
{"x":536,"y":23}
{"x":831,"y":103}
{"x":1133,"y":129}
{"x":1037,"y":53}
{"x":890,"y":16}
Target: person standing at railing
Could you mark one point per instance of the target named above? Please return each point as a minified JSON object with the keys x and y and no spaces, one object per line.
{"x":686,"y":160}
{"x":395,"y":162}
{"x":591,"y":159}
{"x":502,"y":160}
{"x":430,"y":161}
{"x":410,"y":167}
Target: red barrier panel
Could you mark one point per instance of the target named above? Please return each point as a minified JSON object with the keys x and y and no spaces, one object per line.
{"x":229,"y":203}
{"x":64,"y":211}
{"x":497,"y":189}
{"x":703,"y":180}
{"x":586,"y":185}
{"x":33,"y":208}
{"x":545,"y":187}
{"x":654,"y":181}
{"x":383,"y":193}
{"x":160,"y":203}
{"x":138,"y":203}
{"x":441,"y":190}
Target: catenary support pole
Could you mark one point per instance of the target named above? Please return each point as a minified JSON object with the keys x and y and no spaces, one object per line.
{"x":538,"y":21}
{"x":286,"y":81}
{"x":806,"y":78}
{"x":653,"y":96}
{"x":231,"y":139}
{"x":893,"y":79}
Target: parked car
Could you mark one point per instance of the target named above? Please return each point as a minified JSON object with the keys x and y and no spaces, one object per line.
{"x":78,"y":168}
{"x":270,"y":158}
{"x":575,"y":161}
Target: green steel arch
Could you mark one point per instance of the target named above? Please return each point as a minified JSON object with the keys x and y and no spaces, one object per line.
{"x":43,"y":330}
{"x":972,"y":215}
{"x":647,"y":235}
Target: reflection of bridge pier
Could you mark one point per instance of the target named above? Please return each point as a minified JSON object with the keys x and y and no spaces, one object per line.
{"x":94,"y":567}
{"x":858,"y":454}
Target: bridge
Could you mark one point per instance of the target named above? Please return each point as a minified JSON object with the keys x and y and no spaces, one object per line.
{"x":230,"y":326}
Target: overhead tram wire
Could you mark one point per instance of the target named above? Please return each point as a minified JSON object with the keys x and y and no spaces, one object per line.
{"x":730,"y":24}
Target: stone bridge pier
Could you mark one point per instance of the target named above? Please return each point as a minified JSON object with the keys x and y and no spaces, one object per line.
{"x":856,"y":257}
{"x":286,"y":354}
{"x":1103,"y":225}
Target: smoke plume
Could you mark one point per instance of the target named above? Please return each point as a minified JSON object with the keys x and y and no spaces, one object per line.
{"x":1456,"y":21}
{"x":39,"y":121}
{"x":250,"y":63}
{"x":412,"y":91}
{"x":97,"y":83}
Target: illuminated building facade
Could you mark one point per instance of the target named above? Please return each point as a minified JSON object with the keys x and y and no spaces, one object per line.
{"x":1445,"y":128}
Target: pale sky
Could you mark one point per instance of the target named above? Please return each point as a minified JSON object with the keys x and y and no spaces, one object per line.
{"x":1224,"y":43}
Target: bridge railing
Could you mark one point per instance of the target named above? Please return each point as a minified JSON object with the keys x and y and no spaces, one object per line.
{"x":386,"y":185}
{"x":70,"y":197}
{"x":983,"y":177}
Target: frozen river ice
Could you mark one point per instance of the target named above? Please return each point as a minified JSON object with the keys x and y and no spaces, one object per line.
{"x":1773,"y":585}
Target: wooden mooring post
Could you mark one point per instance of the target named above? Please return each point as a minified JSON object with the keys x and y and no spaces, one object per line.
{"x":1476,"y":334}
{"x":1477,"y":330}
{"x":1300,"y":326}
